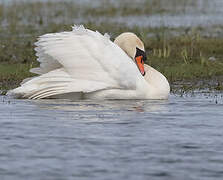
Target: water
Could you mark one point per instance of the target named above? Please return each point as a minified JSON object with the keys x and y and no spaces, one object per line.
{"x":58,"y":139}
{"x":172,"y":14}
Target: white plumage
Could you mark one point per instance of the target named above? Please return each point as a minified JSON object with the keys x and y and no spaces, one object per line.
{"x":84,"y":63}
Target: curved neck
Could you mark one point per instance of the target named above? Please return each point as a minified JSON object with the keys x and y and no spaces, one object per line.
{"x":157,"y":81}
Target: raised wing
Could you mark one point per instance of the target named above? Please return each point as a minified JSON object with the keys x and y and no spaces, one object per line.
{"x":79,"y":61}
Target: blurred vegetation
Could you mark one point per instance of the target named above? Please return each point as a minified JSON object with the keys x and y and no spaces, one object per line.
{"x":186,"y":56}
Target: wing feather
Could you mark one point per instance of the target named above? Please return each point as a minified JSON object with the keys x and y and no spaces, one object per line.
{"x":78,"y":61}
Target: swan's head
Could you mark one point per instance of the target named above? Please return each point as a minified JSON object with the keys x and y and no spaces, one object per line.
{"x":133,"y":47}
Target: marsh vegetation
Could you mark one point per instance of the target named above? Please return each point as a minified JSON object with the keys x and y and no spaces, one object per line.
{"x":183,"y":53}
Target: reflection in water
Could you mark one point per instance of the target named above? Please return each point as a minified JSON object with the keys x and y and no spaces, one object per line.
{"x":138,"y":139}
{"x":97,"y":105}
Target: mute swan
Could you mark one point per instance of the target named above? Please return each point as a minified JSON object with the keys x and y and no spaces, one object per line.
{"x":85,"y":64}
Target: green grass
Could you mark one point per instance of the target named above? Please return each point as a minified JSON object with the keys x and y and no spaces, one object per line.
{"x":12,"y":74}
{"x":187,"y":57}
{"x":181,"y":58}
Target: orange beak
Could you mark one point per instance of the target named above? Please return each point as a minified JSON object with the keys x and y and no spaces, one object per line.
{"x":140,"y":64}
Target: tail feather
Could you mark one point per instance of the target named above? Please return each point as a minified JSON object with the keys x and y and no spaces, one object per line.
{"x":46,"y":94}
{"x":55,"y":83}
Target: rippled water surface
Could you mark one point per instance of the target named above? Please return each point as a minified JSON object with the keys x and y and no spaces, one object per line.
{"x":181,"y":138}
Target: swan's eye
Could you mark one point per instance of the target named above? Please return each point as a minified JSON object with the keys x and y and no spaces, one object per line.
{"x":142,"y":53}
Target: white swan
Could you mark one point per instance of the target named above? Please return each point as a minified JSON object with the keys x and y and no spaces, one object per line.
{"x":85,"y":64}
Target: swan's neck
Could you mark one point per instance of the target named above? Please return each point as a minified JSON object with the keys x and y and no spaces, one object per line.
{"x":158,"y":84}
